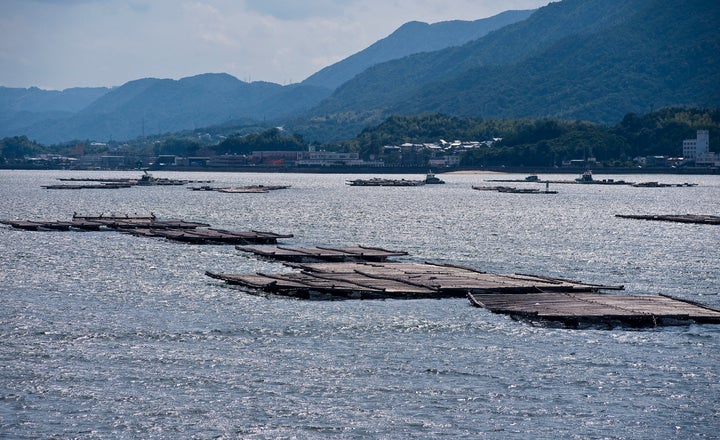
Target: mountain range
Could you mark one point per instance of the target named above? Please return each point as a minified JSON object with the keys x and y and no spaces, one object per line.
{"x":594,"y":60}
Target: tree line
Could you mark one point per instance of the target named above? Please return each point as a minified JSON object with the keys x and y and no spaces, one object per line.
{"x":520,"y":142}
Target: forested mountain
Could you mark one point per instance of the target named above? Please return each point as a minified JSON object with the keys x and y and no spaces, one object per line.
{"x":151,"y":106}
{"x":593,"y":60}
{"x":22,"y":107}
{"x":411,"y":38}
{"x":577,"y":59}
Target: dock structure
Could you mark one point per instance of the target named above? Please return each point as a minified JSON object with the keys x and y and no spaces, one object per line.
{"x":514,"y":190}
{"x":369,"y":280}
{"x":149,"y":226}
{"x":533,"y":298}
{"x":102,"y":185}
{"x":114,"y":183}
{"x":250,"y":189}
{"x":318,"y":253}
{"x":378,"y":181}
{"x":683,"y":218}
{"x":581,"y":309}
{"x":211,"y":236}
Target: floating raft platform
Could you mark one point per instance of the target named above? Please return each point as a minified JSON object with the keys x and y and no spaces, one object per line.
{"x":365,"y":280}
{"x":513,"y":190}
{"x":319,"y":253}
{"x":378,"y":181}
{"x":251,"y":189}
{"x":108,"y":185}
{"x":100,"y":222}
{"x":581,"y":309}
{"x":686,"y":218}
{"x":149,"y":226}
{"x":663,"y":185}
{"x":115,"y":183}
{"x":211,"y":236}
{"x":533,"y":298}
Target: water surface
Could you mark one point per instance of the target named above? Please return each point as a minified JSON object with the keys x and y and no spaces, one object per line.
{"x":107,"y":335}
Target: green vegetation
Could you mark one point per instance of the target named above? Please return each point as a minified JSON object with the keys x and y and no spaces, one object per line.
{"x":547,"y":142}
{"x":515,"y":142}
{"x":178,"y":147}
{"x":590,"y":60}
{"x":17,"y":147}
{"x":274,"y":139}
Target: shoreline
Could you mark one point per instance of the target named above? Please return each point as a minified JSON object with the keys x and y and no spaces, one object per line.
{"x":393,"y":170}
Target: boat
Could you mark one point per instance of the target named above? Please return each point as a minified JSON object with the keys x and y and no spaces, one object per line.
{"x":430,"y":179}
{"x":587,"y":178}
{"x":148,"y":179}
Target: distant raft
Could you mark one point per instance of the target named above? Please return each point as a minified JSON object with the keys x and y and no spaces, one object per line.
{"x":146,"y":179}
{"x":377,"y":181}
{"x":513,"y":190}
{"x":249,"y":189}
{"x":683,"y":218}
{"x":430,"y":179}
{"x":149,"y":226}
{"x":318,"y":253}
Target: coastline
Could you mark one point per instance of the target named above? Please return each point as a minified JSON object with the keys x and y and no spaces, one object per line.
{"x":396,"y":170}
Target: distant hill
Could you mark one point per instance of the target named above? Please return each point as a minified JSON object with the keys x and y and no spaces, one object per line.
{"x":20,"y":108}
{"x":411,"y":38}
{"x":593,"y":60}
{"x":152,"y":106}
{"x":575,"y":59}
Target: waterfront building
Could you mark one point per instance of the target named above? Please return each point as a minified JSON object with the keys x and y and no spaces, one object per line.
{"x":698,"y":150}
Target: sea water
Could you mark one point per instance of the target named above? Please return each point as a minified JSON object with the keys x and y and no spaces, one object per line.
{"x":108,"y":335}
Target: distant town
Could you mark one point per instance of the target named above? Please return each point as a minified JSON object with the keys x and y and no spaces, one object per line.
{"x":438,"y":156}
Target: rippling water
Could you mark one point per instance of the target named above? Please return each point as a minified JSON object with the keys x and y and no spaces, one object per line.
{"x":106,"y":335}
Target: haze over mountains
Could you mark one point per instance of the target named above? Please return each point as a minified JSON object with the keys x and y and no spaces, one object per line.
{"x":593,"y":60}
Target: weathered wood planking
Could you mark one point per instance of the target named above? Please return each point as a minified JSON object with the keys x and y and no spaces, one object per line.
{"x":210,"y":236}
{"x":319,"y":253}
{"x":397,"y":280}
{"x":585,"y":308}
{"x":149,"y":226}
{"x":98,"y":223}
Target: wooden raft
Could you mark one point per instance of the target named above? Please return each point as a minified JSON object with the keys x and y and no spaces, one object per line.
{"x":211,"y":236}
{"x":590,"y":309}
{"x":530,"y":297}
{"x":149,"y":226}
{"x":357,"y":280}
{"x":250,"y":189}
{"x":319,"y":253}
{"x":685,"y":218}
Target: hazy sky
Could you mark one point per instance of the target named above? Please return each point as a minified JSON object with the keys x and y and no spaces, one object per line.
{"x":56,"y":44}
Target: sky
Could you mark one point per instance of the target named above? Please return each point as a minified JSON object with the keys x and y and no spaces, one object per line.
{"x":59,"y":44}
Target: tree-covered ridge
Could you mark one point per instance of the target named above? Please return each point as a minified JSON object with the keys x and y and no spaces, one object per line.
{"x":547,"y":142}
{"x":544,"y":142}
{"x":589,"y":60}
{"x":274,"y":139}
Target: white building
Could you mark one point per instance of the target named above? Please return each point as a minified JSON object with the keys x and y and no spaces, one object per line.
{"x":698,"y":150}
{"x":694,"y":148}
